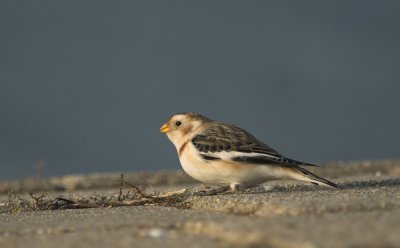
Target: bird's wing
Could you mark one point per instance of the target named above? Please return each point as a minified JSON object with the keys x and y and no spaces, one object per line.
{"x":222,"y":141}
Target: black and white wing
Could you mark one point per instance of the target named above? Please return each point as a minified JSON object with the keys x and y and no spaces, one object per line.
{"x":222,"y":141}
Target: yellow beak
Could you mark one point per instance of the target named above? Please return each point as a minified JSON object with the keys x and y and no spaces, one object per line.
{"x":164,"y":128}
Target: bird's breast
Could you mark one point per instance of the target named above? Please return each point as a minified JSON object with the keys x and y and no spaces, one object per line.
{"x":198,"y":168}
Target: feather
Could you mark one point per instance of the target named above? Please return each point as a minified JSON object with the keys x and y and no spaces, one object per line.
{"x":231,"y":143}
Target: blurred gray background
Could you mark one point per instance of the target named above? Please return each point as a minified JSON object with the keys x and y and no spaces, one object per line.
{"x":85,"y":85}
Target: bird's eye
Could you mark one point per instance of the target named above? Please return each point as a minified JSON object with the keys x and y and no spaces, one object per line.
{"x":178,"y":123}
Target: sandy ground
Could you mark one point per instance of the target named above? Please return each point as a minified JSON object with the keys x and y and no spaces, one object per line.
{"x":365,"y":212}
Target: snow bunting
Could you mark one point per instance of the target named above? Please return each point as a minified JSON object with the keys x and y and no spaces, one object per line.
{"x":221,"y":154}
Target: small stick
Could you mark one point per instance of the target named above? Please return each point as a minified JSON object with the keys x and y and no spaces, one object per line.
{"x":138,"y":190}
{"x":121,"y":180}
{"x":127,"y":194}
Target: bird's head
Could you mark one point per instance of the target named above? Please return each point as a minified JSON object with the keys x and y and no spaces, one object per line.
{"x":183,"y":126}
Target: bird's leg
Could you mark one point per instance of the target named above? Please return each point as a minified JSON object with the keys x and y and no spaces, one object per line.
{"x":236,"y":187}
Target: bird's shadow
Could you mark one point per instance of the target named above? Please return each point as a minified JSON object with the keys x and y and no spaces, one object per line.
{"x":392,"y":182}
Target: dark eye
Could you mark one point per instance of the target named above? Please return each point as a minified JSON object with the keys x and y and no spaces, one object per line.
{"x":178,"y":123}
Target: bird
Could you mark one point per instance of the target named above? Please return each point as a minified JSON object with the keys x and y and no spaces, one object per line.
{"x":221,"y":154}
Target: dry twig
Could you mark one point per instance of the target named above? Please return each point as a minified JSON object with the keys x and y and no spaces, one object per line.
{"x":16,"y":203}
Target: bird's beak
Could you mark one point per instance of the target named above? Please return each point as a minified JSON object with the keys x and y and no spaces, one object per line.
{"x":164,"y":128}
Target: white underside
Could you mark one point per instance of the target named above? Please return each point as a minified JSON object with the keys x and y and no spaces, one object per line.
{"x":224,"y":172}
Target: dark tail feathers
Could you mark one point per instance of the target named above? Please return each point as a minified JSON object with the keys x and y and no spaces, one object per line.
{"x":317,"y":179}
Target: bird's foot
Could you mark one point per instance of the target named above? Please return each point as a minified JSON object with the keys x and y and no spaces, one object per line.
{"x":237,"y":187}
{"x":256,"y":189}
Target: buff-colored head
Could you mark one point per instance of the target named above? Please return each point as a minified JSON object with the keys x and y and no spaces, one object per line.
{"x":183,"y":126}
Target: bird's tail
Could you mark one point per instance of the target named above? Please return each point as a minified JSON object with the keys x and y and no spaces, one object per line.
{"x":312,"y":178}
